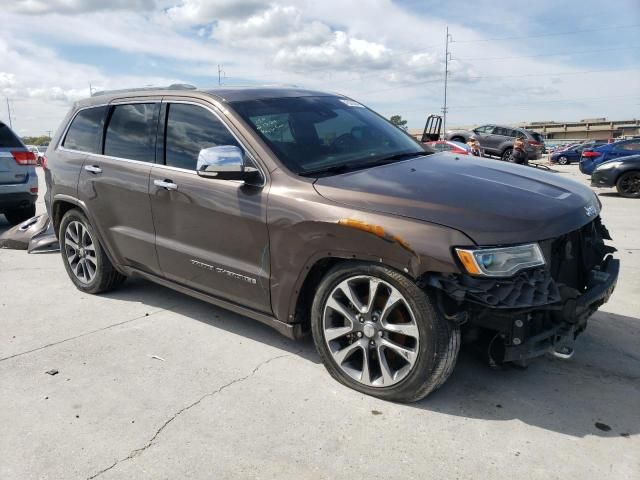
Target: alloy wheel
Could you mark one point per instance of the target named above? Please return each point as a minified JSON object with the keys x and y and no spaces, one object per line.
{"x":80,"y":252}
{"x":370,"y":331}
{"x":630,"y":184}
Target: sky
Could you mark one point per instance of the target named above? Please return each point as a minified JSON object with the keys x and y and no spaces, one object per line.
{"x":511,"y":61}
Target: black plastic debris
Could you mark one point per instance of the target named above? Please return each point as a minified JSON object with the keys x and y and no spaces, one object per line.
{"x":52,"y":372}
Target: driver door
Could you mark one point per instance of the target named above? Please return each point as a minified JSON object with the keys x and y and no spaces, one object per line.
{"x":211,"y":235}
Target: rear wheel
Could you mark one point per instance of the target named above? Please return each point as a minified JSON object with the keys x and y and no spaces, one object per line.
{"x":563,"y":160}
{"x":377,"y":332}
{"x":84,"y":258}
{"x":628,"y":185}
{"x":19,"y":215}
{"x":506,"y":155}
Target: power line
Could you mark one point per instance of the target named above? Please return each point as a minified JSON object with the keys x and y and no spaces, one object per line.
{"x":621,"y":98}
{"x":583,"y":52}
{"x":548,"y":34}
{"x":546,"y":74}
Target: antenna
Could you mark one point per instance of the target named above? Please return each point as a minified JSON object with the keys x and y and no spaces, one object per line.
{"x":447,"y":57}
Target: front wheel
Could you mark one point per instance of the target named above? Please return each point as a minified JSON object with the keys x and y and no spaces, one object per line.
{"x":628,"y":185}
{"x":85,"y":260}
{"x":563,"y":160}
{"x":377,"y":332}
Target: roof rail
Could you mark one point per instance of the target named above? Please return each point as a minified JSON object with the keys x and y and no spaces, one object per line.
{"x":174,"y":86}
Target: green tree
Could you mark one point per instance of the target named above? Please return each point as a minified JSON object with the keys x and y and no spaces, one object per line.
{"x":41,"y":140}
{"x":398,"y":121}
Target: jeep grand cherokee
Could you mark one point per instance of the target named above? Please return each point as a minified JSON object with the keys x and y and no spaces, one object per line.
{"x":309,"y":212}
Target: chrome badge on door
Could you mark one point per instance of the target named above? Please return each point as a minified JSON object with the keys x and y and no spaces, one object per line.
{"x":223,"y":271}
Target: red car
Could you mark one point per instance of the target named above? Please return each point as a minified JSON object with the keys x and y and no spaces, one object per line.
{"x":450,"y":146}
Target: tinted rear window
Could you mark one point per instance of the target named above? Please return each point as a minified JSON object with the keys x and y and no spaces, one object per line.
{"x":7,"y":138}
{"x":84,"y":132}
{"x":131,"y":132}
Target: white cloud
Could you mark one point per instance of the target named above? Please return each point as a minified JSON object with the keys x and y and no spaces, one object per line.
{"x":200,"y":12}
{"x":38,"y":7}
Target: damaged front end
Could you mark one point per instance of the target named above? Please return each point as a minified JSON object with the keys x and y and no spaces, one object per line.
{"x":538,"y":310}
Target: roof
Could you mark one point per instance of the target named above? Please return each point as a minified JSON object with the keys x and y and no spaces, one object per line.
{"x":223,"y":94}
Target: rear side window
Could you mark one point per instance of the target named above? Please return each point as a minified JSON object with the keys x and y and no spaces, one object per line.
{"x":8,"y":139}
{"x":190,"y":129}
{"x":84,"y":133}
{"x":630,"y":146}
{"x":131,"y":132}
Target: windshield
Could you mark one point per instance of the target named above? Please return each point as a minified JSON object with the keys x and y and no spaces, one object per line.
{"x":316,"y":134}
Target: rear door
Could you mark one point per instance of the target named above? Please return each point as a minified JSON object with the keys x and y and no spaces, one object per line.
{"x":114,"y":183}
{"x":623,"y":149}
{"x":211,"y":235}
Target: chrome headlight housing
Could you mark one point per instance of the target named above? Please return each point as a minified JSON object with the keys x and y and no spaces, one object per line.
{"x":500,"y":262}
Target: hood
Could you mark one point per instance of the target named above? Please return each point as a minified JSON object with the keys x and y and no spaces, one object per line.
{"x":492,"y":202}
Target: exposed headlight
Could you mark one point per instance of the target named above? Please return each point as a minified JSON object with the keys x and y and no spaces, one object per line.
{"x":500,"y":262}
{"x":608,"y":165}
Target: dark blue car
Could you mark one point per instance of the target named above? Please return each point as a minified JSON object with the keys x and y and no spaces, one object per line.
{"x":591,"y":158}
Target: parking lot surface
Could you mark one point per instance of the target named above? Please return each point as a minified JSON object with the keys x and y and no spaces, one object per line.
{"x":154,"y":384}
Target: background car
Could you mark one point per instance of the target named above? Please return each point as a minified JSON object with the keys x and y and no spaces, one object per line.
{"x":449,"y":146}
{"x":572,"y":153}
{"x":593,"y":157}
{"x":624,"y":174}
{"x":18,"y":180}
{"x":498,"y":140}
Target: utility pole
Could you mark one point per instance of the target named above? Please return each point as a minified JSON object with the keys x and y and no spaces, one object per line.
{"x":9,"y":112}
{"x":221,"y":74}
{"x":90,"y":90}
{"x":447,"y":57}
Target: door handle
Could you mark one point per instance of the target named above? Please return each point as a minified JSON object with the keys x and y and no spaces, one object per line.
{"x":93,"y":168}
{"x":166,"y":184}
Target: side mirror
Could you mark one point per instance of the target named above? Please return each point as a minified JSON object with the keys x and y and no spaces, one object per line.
{"x":225,"y":162}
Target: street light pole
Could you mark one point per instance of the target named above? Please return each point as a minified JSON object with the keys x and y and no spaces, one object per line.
{"x":9,"y":113}
{"x":447,"y":56}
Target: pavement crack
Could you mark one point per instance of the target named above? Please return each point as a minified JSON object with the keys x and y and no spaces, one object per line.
{"x":82,"y":335}
{"x":134,"y":453}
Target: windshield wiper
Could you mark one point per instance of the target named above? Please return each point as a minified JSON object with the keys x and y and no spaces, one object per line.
{"x":399,"y":156}
{"x":334,"y":170}
{"x":343,"y":168}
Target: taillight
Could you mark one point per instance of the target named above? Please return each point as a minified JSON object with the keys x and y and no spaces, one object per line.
{"x":590,"y":154}
{"x":43,"y":162}
{"x":33,"y":189}
{"x":24,"y":158}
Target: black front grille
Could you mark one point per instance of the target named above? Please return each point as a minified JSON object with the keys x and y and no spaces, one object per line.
{"x":572,"y":256}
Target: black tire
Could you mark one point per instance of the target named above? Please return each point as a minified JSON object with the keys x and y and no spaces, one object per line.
{"x":563,"y":160}
{"x":628,"y":185}
{"x":506,"y":154}
{"x":458,"y":139}
{"x":106,"y":276}
{"x":19,"y":215}
{"x":439,"y":340}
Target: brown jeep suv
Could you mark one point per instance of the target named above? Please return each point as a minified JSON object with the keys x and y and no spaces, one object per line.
{"x":311,"y":213}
